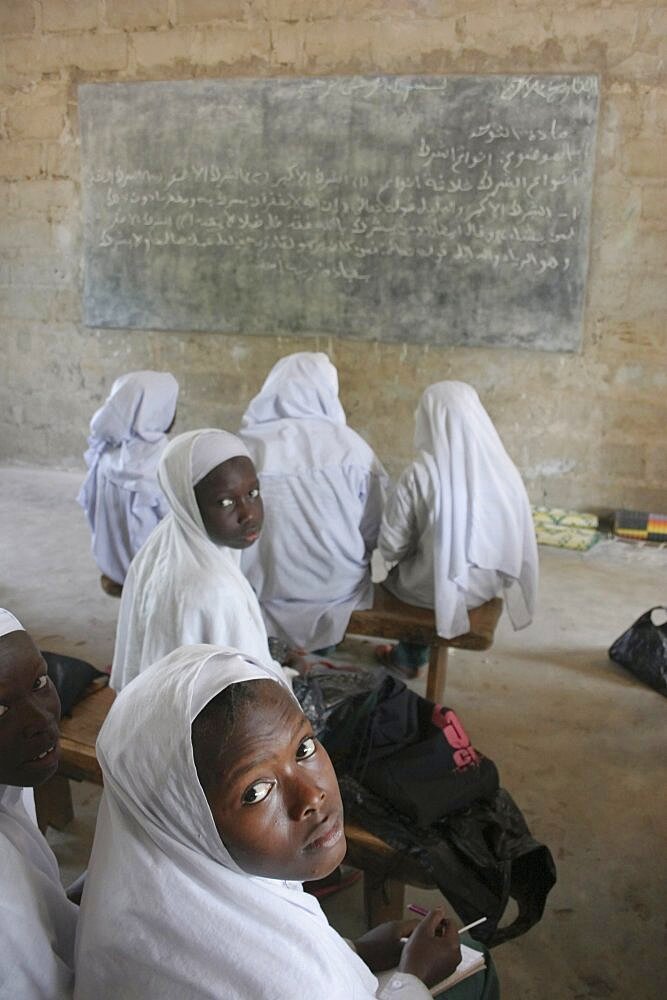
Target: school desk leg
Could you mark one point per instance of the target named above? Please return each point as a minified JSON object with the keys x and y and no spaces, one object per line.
{"x":437,"y":673}
{"x":383,"y":899}
{"x":53,"y":803}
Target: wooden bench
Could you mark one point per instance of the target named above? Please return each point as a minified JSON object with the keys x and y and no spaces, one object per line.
{"x":390,"y":618}
{"x":78,"y":733}
{"x":386,"y":873}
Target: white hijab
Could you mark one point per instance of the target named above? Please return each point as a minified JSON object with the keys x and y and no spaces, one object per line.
{"x":38,"y":921}
{"x":482,"y":515}
{"x":129,"y":429}
{"x":167,"y":913}
{"x":302,"y":385}
{"x":181,"y":587}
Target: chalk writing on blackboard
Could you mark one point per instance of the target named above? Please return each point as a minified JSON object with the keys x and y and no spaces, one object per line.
{"x":481,"y":194}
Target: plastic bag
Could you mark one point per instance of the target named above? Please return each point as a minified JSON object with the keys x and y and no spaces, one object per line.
{"x":349,"y":692}
{"x":478,"y":858}
{"x":71,"y":678}
{"x":643,"y":650}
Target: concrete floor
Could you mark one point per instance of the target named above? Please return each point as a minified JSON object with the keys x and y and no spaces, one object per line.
{"x":579,"y":744}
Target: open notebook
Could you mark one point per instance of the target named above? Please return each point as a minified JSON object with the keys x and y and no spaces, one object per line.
{"x":472,"y":961}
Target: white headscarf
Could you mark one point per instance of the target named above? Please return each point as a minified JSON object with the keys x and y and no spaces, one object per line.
{"x":8,"y":623}
{"x":482,"y":515}
{"x":38,"y":921}
{"x":130,"y":428}
{"x":181,"y":587}
{"x":299,"y":385}
{"x":167,"y":913}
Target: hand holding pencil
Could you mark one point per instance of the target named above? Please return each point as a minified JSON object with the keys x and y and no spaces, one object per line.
{"x":422,"y":911}
{"x":432,"y":951}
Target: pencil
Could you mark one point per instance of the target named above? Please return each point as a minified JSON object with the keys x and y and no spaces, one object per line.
{"x":473,"y":924}
{"x":421,"y":911}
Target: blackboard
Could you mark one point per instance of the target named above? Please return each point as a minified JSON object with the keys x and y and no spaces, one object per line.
{"x":444,"y":210}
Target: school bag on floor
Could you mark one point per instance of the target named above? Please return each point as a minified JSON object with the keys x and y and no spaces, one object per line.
{"x":409,"y":774}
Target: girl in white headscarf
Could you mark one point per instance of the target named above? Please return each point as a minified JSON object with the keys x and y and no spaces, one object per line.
{"x":186,"y":585}
{"x":458,"y":525}
{"x":120,"y":495}
{"x":324,"y":491}
{"x":211,"y":815}
{"x":38,"y":921}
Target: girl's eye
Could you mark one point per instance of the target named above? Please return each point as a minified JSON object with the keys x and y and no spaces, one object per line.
{"x":254,"y":493}
{"x":306,"y":749}
{"x":226,"y":504}
{"x":257,"y":792}
{"x":3,"y":709}
{"x":41,"y":682}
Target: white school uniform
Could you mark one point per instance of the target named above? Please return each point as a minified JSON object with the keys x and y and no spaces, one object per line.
{"x":37,"y":919}
{"x":120,"y":495}
{"x":166,"y":913}
{"x":182,"y":587}
{"x":459,"y":525}
{"x":323,"y":490}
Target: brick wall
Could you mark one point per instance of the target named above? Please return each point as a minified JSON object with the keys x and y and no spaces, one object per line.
{"x":585,"y":429}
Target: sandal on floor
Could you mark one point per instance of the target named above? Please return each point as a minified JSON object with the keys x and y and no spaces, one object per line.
{"x":383,"y":654}
{"x":110,"y":586}
{"x":386,"y":656}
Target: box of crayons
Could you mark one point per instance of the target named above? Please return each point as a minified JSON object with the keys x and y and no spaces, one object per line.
{"x":640,"y":526}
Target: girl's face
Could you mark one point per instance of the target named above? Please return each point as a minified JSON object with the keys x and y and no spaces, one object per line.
{"x":29,"y":714}
{"x":230,"y":503}
{"x":273,"y":792}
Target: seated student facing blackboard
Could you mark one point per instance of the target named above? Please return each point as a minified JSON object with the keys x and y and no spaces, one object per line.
{"x":120,"y":494}
{"x":458,"y":528}
{"x":324,"y":491}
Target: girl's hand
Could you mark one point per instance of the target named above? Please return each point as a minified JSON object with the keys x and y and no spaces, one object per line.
{"x":432,"y":951}
{"x":381,"y":947}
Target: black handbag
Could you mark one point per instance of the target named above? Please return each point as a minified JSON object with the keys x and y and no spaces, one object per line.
{"x":71,"y":677}
{"x":643,"y":650}
{"x":413,"y":754}
{"x":421,"y":760}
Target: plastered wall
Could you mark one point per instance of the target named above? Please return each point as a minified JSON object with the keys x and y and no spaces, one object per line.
{"x":587,"y":430}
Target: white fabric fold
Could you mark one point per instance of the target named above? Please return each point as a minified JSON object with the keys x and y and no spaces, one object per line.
{"x":166,"y":912}
{"x":183,"y":588}
{"x":323,"y":490}
{"x":38,"y":921}
{"x":300,"y":385}
{"x":120,"y":494}
{"x":9,"y":623}
{"x":459,"y":524}
{"x":212,"y":448}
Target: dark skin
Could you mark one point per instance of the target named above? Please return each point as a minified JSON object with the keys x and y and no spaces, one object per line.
{"x":273,"y":792}
{"x":29,"y":714}
{"x":230,"y":504}
{"x":275,"y":801}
